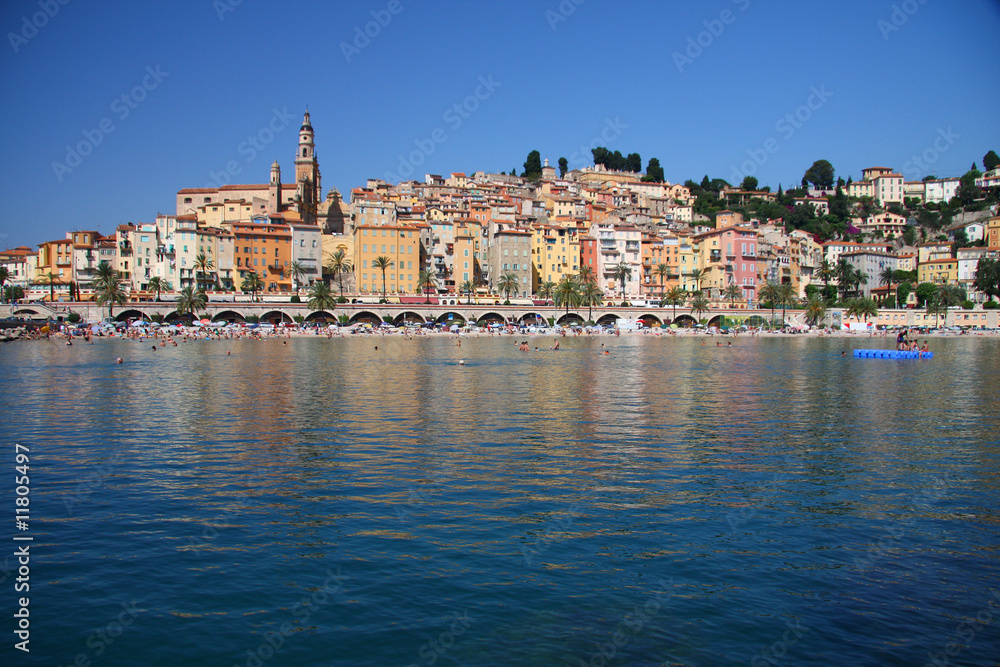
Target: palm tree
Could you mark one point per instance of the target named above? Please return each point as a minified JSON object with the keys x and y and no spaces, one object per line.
{"x":586,"y":275}
{"x":590,"y":294}
{"x":844,"y":272}
{"x":769,"y":293}
{"x":13,"y":292}
{"x":426,"y":282}
{"x":662,"y":271}
{"x":508,"y":283}
{"x":566,"y":292}
{"x":862,"y":307}
{"x":191,"y":300}
{"x":815,"y":309}
{"x":697,"y":275}
{"x":320,"y":296}
{"x":382,"y":262}
{"x":253,"y":284}
{"x":825,"y":272}
{"x":203,"y":265}
{"x":786,"y":296}
{"x":546,"y":290}
{"x":950,"y":294}
{"x":622,"y":271}
{"x":699,"y":304}
{"x":158,"y":284}
{"x":50,"y":279}
{"x":468,"y":287}
{"x":885,"y":279}
{"x":109,"y":291}
{"x":732,"y":293}
{"x":339,"y":265}
{"x":676,"y":296}
{"x":935,"y":308}
{"x":4,"y":274}
{"x":298,"y":272}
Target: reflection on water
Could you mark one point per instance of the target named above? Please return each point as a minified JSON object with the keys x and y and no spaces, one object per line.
{"x":678,"y":503}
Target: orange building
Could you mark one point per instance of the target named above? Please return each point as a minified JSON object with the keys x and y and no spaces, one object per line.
{"x":400,"y":244}
{"x":265,"y":248}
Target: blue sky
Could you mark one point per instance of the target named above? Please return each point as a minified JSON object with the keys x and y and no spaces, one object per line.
{"x":721,"y":87}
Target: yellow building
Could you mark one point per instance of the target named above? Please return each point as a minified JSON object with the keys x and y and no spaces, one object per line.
{"x":400,"y":244}
{"x":941,"y":270}
{"x":555,"y":253}
{"x":465,"y":255}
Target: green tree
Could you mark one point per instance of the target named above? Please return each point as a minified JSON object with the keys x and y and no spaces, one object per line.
{"x":563,"y":167}
{"x":991,"y":161}
{"x":533,"y":166}
{"x":203,"y":265}
{"x":566,"y":293}
{"x":697,"y":275}
{"x":987,"y":278}
{"x":468,"y":287}
{"x":732,"y":292}
{"x":769,"y":294}
{"x":382,"y":262}
{"x":903,"y":290}
{"x":815,"y":309}
{"x":662,"y":270}
{"x":675,"y":297}
{"x":320,"y":296}
{"x":508,"y":283}
{"x":820,"y":174}
{"x":935,"y":307}
{"x":622,"y":272}
{"x":50,"y":280}
{"x":948,"y":295}
{"x":885,"y":278}
{"x":12,"y":293}
{"x":654,"y":172}
{"x":925,"y":292}
{"x":426,"y":282}
{"x":699,"y":305}
{"x":786,"y":297}
{"x":590,"y":296}
{"x":862,"y":307}
{"x":252,"y":283}
{"x":298,"y":272}
{"x":546,"y":290}
{"x":191,"y":300}
{"x":749,"y":183}
{"x":338,"y":264}
{"x":110,"y":291}
{"x":158,"y":284}
{"x":4,"y":275}
{"x":633,"y":163}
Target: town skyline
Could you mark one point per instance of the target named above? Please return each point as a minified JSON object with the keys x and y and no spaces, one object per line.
{"x":705,"y":99}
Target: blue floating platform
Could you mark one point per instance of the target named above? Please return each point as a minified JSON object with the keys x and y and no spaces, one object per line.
{"x":892,"y":354}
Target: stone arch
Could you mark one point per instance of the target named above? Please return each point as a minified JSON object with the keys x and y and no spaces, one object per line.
{"x":685,"y":320}
{"x":320,"y":316}
{"x":716,"y":321}
{"x":174,"y":316}
{"x":25,"y":311}
{"x":608,"y":319}
{"x":408,"y":317}
{"x":491,"y":318}
{"x":456,"y":318}
{"x":130,"y":314}
{"x":649,"y":319}
{"x":365,"y":317}
{"x":229,"y":316}
{"x":275,"y":316}
{"x":531,"y":318}
{"x":569,"y":319}
{"x":756,"y":321}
